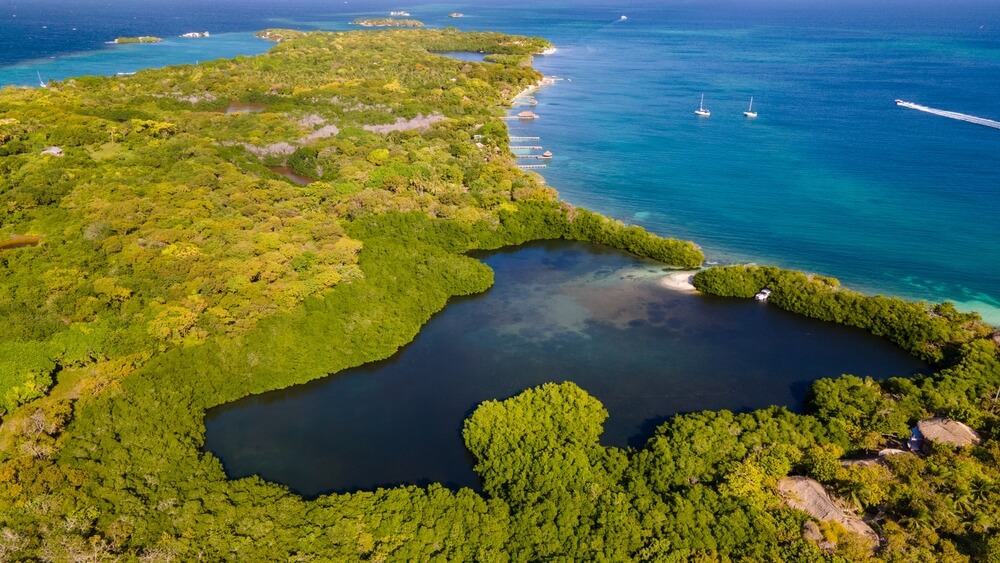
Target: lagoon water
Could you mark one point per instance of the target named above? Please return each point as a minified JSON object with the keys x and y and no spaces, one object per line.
{"x":831,"y":177}
{"x":558,"y":311}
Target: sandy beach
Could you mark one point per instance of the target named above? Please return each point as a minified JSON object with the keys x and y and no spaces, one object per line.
{"x":679,"y":281}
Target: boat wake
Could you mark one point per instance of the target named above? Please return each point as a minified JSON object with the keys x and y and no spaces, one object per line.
{"x":950,"y":114}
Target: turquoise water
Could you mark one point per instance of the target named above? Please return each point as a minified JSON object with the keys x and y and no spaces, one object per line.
{"x":831,"y":177}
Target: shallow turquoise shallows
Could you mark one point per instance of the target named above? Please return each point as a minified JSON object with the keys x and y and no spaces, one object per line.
{"x":831,"y":176}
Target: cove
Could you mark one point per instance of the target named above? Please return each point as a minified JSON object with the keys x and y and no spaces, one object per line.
{"x":558,"y":311}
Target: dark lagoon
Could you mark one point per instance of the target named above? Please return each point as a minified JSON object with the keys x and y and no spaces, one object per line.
{"x":558,"y":311}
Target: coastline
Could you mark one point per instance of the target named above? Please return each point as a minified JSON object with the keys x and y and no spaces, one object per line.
{"x":679,"y":281}
{"x":159,"y":398}
{"x":925,"y":284}
{"x":531,"y":89}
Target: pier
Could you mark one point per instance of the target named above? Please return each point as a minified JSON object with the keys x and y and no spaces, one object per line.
{"x":526,"y":147}
{"x":535,"y":156}
{"x":525,"y":139}
{"x":530,"y":166}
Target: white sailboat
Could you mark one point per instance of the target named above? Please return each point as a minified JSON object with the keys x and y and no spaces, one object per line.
{"x":750,"y":112}
{"x":702,"y":111}
{"x":41,"y":83}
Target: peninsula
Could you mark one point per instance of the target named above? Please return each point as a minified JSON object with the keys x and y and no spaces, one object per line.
{"x":177,"y":271}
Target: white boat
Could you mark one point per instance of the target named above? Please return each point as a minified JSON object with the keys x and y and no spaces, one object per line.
{"x":750,"y":112}
{"x":762,"y":295}
{"x":702,"y":111}
{"x":41,"y":83}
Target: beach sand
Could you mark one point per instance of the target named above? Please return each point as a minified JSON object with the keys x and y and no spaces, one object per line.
{"x":679,"y":281}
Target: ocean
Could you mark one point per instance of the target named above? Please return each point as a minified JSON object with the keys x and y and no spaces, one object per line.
{"x":831,"y":177}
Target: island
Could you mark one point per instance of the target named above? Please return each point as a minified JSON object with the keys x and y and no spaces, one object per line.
{"x":387,"y":22}
{"x":279,"y":35}
{"x":178,"y":272}
{"x":140,"y":39}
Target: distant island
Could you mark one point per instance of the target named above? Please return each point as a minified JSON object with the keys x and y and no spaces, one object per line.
{"x":279,"y":35}
{"x":140,"y":39}
{"x":387,"y":22}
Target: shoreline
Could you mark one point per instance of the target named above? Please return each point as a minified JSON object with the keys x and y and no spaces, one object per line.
{"x":532,"y":88}
{"x":60,"y":68}
{"x":679,"y":281}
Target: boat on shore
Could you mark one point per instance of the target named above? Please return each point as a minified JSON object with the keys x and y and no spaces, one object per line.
{"x":702,"y":111}
{"x":750,"y":112}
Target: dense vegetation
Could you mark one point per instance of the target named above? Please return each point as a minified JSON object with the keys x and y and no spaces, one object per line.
{"x":176,"y":272}
{"x":140,"y":39}
{"x":387,"y":22}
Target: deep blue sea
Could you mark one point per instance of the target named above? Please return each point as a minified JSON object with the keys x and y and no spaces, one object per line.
{"x":831,"y":177}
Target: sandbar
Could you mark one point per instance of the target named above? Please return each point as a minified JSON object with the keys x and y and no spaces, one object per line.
{"x":679,"y":281}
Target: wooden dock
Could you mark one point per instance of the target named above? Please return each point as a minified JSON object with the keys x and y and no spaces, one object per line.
{"x":526,"y":147}
{"x":525,"y":138}
{"x":534,"y":156}
{"x":530,"y":166}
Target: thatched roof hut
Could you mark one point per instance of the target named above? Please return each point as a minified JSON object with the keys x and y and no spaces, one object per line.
{"x":944,"y":430}
{"x":809,"y":496}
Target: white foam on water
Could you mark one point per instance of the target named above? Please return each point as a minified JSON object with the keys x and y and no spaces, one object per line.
{"x":950,"y":114}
